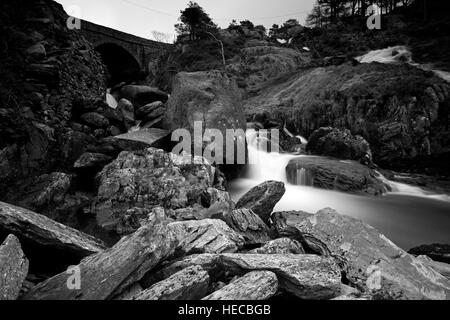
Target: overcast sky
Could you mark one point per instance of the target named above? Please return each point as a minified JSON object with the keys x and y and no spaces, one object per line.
{"x":141,"y":17}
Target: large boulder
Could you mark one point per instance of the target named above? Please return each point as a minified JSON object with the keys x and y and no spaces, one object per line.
{"x":370,"y":261}
{"x":249,"y":225}
{"x":263,"y":198}
{"x":147,"y":179}
{"x":332,"y":174}
{"x":109,"y":273}
{"x":339,"y":144}
{"x":210,"y":97}
{"x":13,"y":268}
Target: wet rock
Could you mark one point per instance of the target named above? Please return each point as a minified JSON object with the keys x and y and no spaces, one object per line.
{"x":340,"y":144}
{"x":280,"y":246}
{"x":437,"y":252}
{"x":249,"y":225}
{"x":147,"y":179}
{"x":257,"y":285}
{"x":108,"y":273}
{"x":151,"y":111}
{"x":189,"y":284}
{"x":262,"y":199}
{"x":95,"y":120}
{"x":370,"y":261}
{"x":206,"y":236}
{"x":126,"y":108}
{"x":13,"y":268}
{"x":142,"y":95}
{"x":331,"y":174}
{"x":45,"y":233}
{"x":92,"y":160}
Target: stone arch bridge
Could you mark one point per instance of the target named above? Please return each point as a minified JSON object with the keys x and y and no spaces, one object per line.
{"x":127,"y":57}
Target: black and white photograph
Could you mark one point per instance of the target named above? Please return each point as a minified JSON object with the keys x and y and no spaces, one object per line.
{"x":235,"y":158}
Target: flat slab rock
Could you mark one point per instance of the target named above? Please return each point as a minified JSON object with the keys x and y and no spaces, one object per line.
{"x":13,"y":268}
{"x":206,"y":236}
{"x":188,"y":284}
{"x":249,"y":225}
{"x":371,"y":261}
{"x":262,"y":199}
{"x":107,"y":274}
{"x":38,"y":229}
{"x":256,"y":285}
{"x":150,"y":136}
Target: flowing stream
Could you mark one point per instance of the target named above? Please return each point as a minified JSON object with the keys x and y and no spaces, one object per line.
{"x":409,"y":216}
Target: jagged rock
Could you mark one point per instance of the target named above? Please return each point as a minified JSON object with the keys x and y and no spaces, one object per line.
{"x":280,"y":246}
{"x":372,"y":262}
{"x":340,"y":144}
{"x":147,"y":179}
{"x":151,"y":111}
{"x":249,"y":225}
{"x":126,"y":108}
{"x":95,"y":120}
{"x":142,"y":95}
{"x":440,"y":267}
{"x":331,"y":174}
{"x":285,"y":223}
{"x":189,"y":284}
{"x":108,"y":273}
{"x":437,"y":252}
{"x":39,"y":230}
{"x":262,"y":199}
{"x":92,"y":160}
{"x":206,"y":236}
{"x":130,"y":292}
{"x":13,"y":268}
{"x":210,"y":97}
{"x":257,"y":285}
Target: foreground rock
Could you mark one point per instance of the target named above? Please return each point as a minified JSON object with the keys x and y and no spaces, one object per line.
{"x":280,"y":246}
{"x":437,"y":252}
{"x":107,"y":274}
{"x":147,"y":179}
{"x":372,"y":262}
{"x":206,"y":236}
{"x":340,"y":144}
{"x":13,"y":268}
{"x":189,"y":284}
{"x":257,"y":285}
{"x":262,"y":199}
{"x":331,"y":174}
{"x":249,"y":225}
{"x":45,"y":233}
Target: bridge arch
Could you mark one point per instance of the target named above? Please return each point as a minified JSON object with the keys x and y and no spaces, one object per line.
{"x":122,"y":65}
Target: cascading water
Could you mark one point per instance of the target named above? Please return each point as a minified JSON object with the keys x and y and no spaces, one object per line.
{"x":408,"y":215}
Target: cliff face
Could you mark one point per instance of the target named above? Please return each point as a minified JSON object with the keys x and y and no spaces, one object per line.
{"x":46,"y":70}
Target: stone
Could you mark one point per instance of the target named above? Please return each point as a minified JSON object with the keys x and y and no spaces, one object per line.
{"x":13,"y":268}
{"x":262,"y":199}
{"x":126,"y":108}
{"x":152,"y":137}
{"x":147,"y":111}
{"x":147,"y":179}
{"x":370,"y":261}
{"x":95,"y":120}
{"x":249,"y":225}
{"x":109,"y":273}
{"x":188,"y":284}
{"x":437,"y":252}
{"x":331,"y":174}
{"x":92,"y":160}
{"x":142,"y":95}
{"x":254,"y":286}
{"x":205,"y":236}
{"x":280,"y":246}
{"x":37,"y":51}
{"x":45,"y":233}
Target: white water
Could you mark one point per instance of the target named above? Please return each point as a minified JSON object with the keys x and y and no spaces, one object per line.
{"x":399,"y":54}
{"x":408,"y":215}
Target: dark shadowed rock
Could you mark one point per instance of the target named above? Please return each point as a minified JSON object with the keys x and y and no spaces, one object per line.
{"x":142,"y":95}
{"x":257,"y":285}
{"x":13,"y":268}
{"x":37,"y":229}
{"x":372,"y":262}
{"x":107,"y":274}
{"x":189,"y":284}
{"x":332,"y":174}
{"x":126,"y":108}
{"x":249,"y":225}
{"x":90,"y":160}
{"x":206,"y":236}
{"x":437,"y":252}
{"x":280,"y":246}
{"x":95,"y":120}
{"x":262,"y":199}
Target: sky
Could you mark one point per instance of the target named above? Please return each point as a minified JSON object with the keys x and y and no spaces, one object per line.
{"x":142,"y":17}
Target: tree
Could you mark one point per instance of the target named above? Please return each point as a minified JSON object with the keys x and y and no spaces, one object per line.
{"x":195,"y":22}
